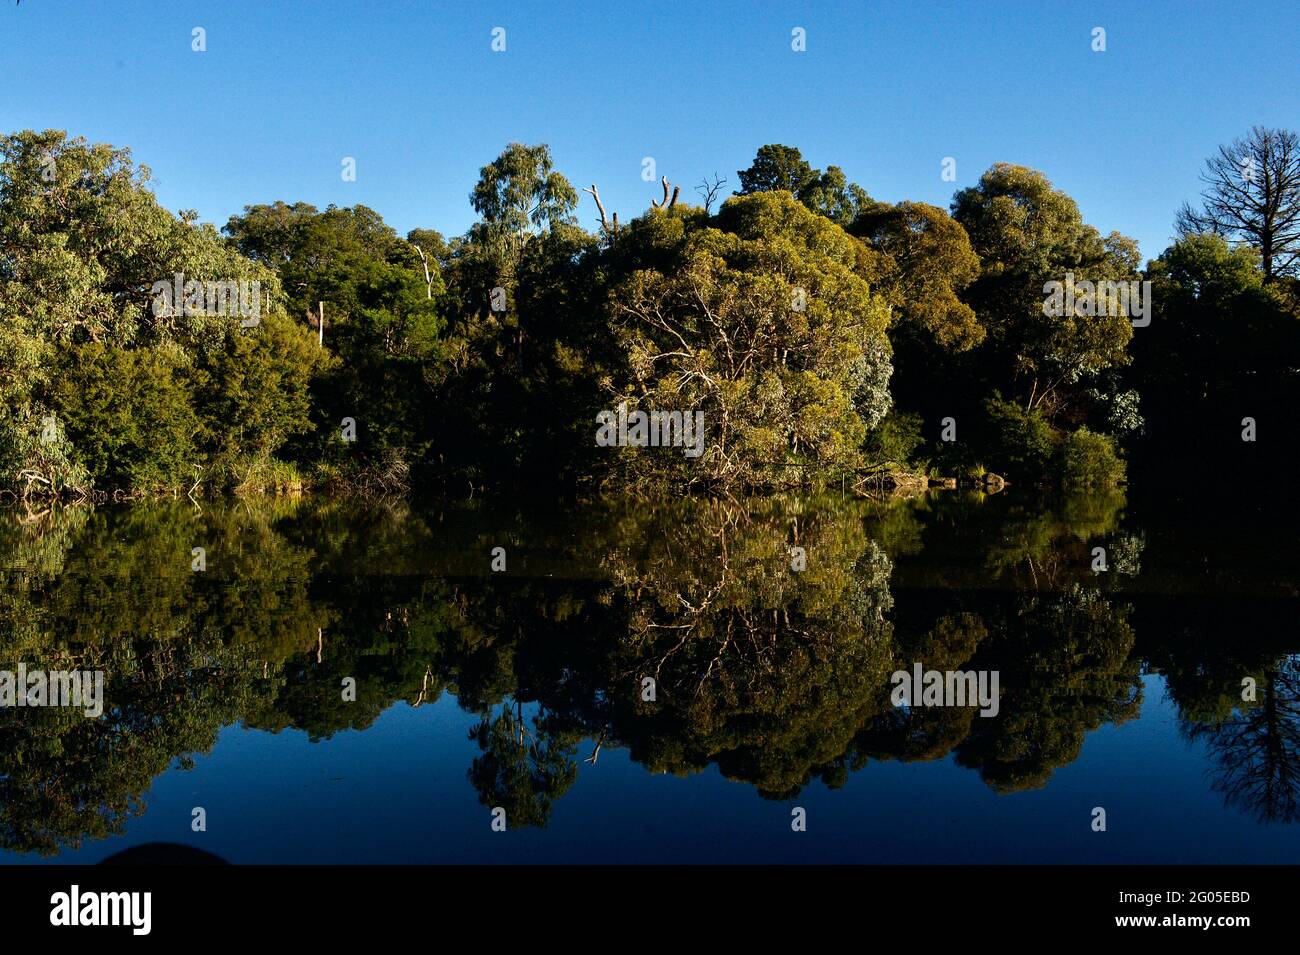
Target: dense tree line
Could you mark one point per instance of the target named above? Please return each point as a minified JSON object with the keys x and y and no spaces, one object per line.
{"x":820,"y":334}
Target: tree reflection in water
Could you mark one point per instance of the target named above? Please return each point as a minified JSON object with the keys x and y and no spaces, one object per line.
{"x":773,"y":671}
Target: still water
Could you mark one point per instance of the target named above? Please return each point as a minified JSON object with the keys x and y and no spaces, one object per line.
{"x":770,"y":629}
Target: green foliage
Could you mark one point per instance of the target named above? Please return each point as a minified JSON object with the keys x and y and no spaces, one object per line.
{"x":927,"y":260}
{"x":776,"y":167}
{"x":520,"y":190}
{"x":1022,"y":444}
{"x":255,"y":395}
{"x":517,"y":194}
{"x":520,"y":771}
{"x":896,"y":439}
{"x":774,"y":675}
{"x":82,"y":243}
{"x":129,"y":414}
{"x":1027,"y":233}
{"x":1221,"y":346}
{"x":1260,"y":210}
{"x":762,"y":320}
{"x":385,"y":338}
{"x":1089,"y":459}
{"x":1069,"y":668}
{"x":796,"y":319}
{"x":39,"y":459}
{"x":783,"y":168}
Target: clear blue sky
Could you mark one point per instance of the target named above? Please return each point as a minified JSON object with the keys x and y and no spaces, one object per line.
{"x":413,"y":91}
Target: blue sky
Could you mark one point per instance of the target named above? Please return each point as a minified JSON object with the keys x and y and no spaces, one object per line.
{"x":886,"y":90}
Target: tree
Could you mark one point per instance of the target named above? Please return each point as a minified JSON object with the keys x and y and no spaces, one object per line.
{"x":831,"y":195}
{"x":1256,"y":751}
{"x":372,"y":281}
{"x":385,"y":329}
{"x":764,"y":670}
{"x":708,"y":190}
{"x":761,"y":320}
{"x":1027,"y":233}
{"x":130,"y":414}
{"x":433,"y":250}
{"x":527,"y":342}
{"x":1221,"y":345}
{"x":828,"y":193}
{"x":521,"y":771}
{"x":255,"y":395}
{"x":1253,"y":197}
{"x":523,"y":203}
{"x":83,"y":242}
{"x":776,"y":167}
{"x":184,"y":654}
{"x":929,"y":262}
{"x":518,"y":194}
{"x":1067,"y":666}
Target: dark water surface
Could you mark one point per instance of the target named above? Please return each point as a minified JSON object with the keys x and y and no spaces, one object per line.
{"x":524,"y":689}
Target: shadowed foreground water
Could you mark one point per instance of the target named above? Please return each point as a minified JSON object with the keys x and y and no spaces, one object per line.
{"x":524,"y":689}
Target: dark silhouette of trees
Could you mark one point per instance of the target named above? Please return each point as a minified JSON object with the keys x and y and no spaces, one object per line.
{"x":1252,"y":197}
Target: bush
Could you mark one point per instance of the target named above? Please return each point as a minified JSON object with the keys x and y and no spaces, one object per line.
{"x":1089,"y":459}
{"x":1022,"y":444}
{"x":129,"y":416}
{"x":37,"y":459}
{"x":895,"y":439}
{"x":254,"y":393}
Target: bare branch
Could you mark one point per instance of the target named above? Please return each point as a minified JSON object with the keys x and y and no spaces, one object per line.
{"x":659,"y":204}
{"x":1253,"y":198}
{"x":604,"y":223}
{"x":709,"y":190}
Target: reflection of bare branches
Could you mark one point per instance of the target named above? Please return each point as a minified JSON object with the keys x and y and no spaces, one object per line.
{"x":198,"y":479}
{"x":424,"y":688}
{"x":595,"y":754}
{"x":30,"y":517}
{"x":1256,"y":752}
{"x":714,"y":662}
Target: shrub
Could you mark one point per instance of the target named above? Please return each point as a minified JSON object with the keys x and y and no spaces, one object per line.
{"x":37,"y":459}
{"x":1089,"y":459}
{"x":895,"y":439}
{"x":1022,"y":444}
{"x":128,"y":415}
{"x":254,"y":391}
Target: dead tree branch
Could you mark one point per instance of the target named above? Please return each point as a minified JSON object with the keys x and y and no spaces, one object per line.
{"x":604,"y":222}
{"x":666,"y":202}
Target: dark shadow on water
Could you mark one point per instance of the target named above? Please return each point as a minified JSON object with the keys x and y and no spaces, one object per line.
{"x":163,"y":853}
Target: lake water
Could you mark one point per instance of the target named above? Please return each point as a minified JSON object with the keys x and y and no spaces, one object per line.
{"x":525,"y":690}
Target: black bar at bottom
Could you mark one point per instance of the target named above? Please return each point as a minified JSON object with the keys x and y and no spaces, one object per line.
{"x":920,"y":904}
